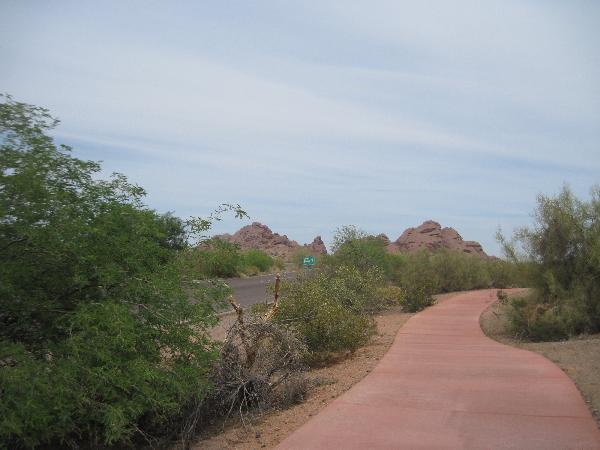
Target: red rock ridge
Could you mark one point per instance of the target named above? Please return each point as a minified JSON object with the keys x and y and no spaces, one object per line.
{"x":430,"y":235}
{"x":259,"y":236}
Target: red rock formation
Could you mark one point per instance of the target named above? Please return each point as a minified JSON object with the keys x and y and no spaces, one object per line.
{"x":430,"y":235}
{"x":259,"y":236}
{"x":317,"y":245}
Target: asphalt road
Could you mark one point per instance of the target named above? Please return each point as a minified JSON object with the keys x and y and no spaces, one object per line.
{"x":252,"y":290}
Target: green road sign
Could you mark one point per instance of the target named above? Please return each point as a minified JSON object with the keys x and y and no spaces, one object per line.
{"x":308,"y":261}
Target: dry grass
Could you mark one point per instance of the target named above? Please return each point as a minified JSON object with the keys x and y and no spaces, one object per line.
{"x":578,"y":357}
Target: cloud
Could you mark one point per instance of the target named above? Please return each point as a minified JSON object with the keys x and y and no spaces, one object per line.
{"x":381,"y":114}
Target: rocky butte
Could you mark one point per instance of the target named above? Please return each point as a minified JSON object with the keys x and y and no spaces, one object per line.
{"x":259,"y":236}
{"x":431,"y":236}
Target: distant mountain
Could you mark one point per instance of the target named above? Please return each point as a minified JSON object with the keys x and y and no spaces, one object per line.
{"x":429,"y":235}
{"x":259,"y":236}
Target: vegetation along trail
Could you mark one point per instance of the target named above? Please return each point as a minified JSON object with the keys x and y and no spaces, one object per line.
{"x":444,"y":384}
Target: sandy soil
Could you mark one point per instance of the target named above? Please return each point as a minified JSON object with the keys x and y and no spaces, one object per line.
{"x":269,"y":429}
{"x":579,"y":357}
{"x":219,"y":331}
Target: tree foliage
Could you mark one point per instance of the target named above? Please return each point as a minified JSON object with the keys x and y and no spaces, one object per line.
{"x":354,"y":247}
{"x":98,"y":338}
{"x":562,"y":249}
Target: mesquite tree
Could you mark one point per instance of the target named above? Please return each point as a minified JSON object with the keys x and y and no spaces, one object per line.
{"x":99,"y":340}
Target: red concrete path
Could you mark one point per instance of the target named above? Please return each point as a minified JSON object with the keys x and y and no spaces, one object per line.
{"x":444,"y":385}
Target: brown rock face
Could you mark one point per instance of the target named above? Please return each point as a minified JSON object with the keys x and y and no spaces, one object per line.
{"x":430,"y":235}
{"x":259,"y":236}
{"x":317,"y":245}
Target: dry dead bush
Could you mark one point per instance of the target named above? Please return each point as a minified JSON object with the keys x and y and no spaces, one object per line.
{"x":260,"y":366}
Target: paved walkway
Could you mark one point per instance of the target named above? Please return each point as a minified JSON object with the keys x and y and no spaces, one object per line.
{"x":444,"y":385}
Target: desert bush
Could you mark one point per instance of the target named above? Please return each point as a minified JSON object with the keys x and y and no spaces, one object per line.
{"x":395,"y":264}
{"x":293,"y":391}
{"x":219,"y":258}
{"x":533,"y":319}
{"x":328,"y":309}
{"x":562,"y":254}
{"x":536,"y":321}
{"x":419,"y":270}
{"x":505,"y":274}
{"x":450,"y":271}
{"x":353,"y":247}
{"x":99,"y":343}
{"x":420,"y":274}
{"x":257,"y":259}
{"x":279,"y":263}
{"x":391,"y":295}
{"x":354,"y":288}
{"x":260,"y":366}
{"x":417,"y":298}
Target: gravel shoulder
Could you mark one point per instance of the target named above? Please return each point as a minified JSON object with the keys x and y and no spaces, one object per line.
{"x":578,"y":357}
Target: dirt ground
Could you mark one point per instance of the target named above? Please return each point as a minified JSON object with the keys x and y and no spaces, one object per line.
{"x":331,"y":381}
{"x":578,"y":357}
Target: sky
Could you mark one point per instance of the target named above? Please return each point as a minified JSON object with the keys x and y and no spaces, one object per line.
{"x":316,"y":114}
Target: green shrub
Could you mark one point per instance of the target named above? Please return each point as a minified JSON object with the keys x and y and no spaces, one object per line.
{"x":328,"y":308}
{"x":222,"y":259}
{"x":356,"y":289}
{"x":417,"y":298}
{"x":562,"y":255}
{"x":391,"y":295}
{"x":219,"y":258}
{"x":395,"y":265}
{"x":419,"y":270}
{"x":257,"y":259}
{"x":328,"y":326}
{"x":532,"y":318}
{"x":451,"y":271}
{"x":354,"y":247}
{"x":536,"y":321}
{"x":505,"y":274}
{"x":99,"y":342}
{"x":419,"y":274}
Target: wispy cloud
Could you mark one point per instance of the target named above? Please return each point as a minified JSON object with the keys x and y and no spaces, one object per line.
{"x":316,"y":114}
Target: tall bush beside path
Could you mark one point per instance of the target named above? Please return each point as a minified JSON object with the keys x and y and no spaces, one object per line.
{"x":562,"y":253}
{"x":99,"y":342}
